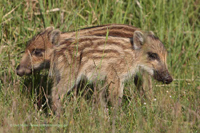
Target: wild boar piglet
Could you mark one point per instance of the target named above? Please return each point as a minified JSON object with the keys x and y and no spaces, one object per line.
{"x":112,"y":59}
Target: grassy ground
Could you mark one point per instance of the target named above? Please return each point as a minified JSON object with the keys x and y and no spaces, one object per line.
{"x":176,"y":107}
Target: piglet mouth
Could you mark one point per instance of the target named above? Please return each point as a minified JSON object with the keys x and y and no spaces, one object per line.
{"x":163,"y":76}
{"x":21,"y":71}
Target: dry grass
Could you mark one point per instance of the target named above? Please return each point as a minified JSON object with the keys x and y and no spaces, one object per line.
{"x":174,"y":108}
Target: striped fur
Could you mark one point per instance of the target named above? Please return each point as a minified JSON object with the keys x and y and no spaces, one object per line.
{"x":117,"y":30}
{"x":45,"y":44}
{"x":63,"y":51}
{"x":112,"y":59}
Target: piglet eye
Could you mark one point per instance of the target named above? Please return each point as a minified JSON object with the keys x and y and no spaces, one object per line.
{"x":38,"y":52}
{"x":153,"y":56}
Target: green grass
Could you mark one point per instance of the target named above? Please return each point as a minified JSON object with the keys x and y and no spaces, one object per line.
{"x":177,"y":106}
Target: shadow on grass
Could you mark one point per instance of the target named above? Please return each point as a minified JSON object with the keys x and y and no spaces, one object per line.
{"x":38,"y":87}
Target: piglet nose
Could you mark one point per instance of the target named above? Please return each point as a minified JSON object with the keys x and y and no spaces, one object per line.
{"x":19,"y":72}
{"x":18,"y":67}
{"x":168,"y":79}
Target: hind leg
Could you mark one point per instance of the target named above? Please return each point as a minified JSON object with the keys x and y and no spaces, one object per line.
{"x":115,"y":89}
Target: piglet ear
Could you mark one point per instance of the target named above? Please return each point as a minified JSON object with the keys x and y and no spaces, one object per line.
{"x":138,"y":39}
{"x":151,"y":33}
{"x":49,"y":29}
{"x":55,"y":37}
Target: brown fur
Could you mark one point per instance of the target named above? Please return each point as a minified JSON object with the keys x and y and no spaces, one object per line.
{"x":46,"y":44}
{"x":43,"y":41}
{"x":112,"y":59}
